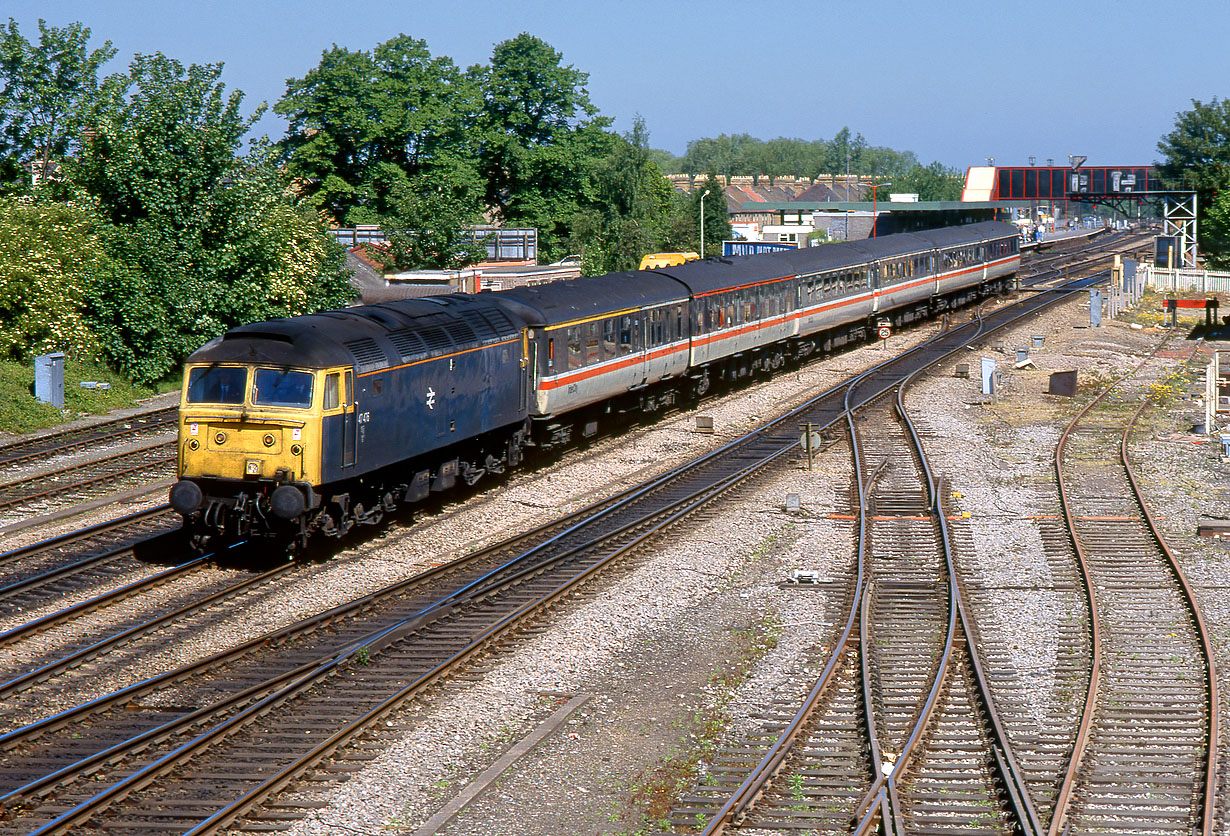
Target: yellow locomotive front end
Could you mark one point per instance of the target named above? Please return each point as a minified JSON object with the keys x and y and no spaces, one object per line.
{"x":249,"y":447}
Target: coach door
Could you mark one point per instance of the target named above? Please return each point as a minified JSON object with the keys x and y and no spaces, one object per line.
{"x":528,"y":361}
{"x":350,"y":427}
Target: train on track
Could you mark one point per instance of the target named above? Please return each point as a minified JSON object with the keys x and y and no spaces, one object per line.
{"x":311,"y":425}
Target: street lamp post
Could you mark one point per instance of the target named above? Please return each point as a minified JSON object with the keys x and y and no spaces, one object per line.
{"x":704,"y":195}
{"x":873,"y":206}
{"x":847,"y":213}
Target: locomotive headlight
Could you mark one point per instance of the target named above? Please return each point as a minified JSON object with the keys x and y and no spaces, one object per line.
{"x":220,"y":438}
{"x":194,"y":444}
{"x":252,"y":467}
{"x":296,"y":449}
{"x":269,"y":440}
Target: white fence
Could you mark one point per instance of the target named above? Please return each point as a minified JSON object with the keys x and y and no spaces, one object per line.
{"x":1186,"y":280}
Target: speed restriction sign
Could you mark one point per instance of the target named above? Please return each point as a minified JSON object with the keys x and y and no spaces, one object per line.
{"x":884,"y":332}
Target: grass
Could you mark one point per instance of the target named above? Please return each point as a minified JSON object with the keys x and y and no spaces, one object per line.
{"x":20,"y":412}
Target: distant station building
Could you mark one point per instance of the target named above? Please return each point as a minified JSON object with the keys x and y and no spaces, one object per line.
{"x":1068,"y":194}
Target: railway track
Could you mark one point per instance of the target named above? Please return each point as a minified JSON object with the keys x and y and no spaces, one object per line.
{"x":26,"y":451}
{"x":1144,"y":756}
{"x":78,"y":483}
{"x":273,"y":690}
{"x":68,"y":566}
{"x":899,"y":731}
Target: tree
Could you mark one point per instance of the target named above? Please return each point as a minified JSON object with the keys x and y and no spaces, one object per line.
{"x":206,"y":240}
{"x":357,"y":113}
{"x":428,"y":217}
{"x":51,"y":258}
{"x":252,"y":255}
{"x":164,"y":137}
{"x":683,"y":228}
{"x":930,"y":182}
{"x":45,"y":89}
{"x":540,"y":136}
{"x":1196,"y":157}
{"x":1215,"y":232}
{"x":633,"y":200}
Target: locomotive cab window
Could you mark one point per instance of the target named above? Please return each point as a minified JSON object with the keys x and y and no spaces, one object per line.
{"x":217,"y":384}
{"x":282,"y":387}
{"x":333,"y":391}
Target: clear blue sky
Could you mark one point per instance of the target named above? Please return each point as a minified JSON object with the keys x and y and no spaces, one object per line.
{"x":951,"y":80}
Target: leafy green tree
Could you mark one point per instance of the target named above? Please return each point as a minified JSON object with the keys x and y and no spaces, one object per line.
{"x":428,"y":216}
{"x":682,"y":232}
{"x":357,"y":113}
{"x":541,"y":137}
{"x":724,"y":154}
{"x":207,"y":241}
{"x":667,"y":162}
{"x":1196,"y":157}
{"x":44,"y":89}
{"x":164,"y":137}
{"x":252,"y":255}
{"x":51,"y":257}
{"x":632,"y":206}
{"x":930,"y":182}
{"x":1215,"y":232}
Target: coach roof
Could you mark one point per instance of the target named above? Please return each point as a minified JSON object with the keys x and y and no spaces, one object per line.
{"x":591,"y":296}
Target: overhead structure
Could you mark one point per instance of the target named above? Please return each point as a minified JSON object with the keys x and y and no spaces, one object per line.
{"x":1179,"y":223}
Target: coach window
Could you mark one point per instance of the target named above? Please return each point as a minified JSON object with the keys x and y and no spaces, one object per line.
{"x":625,"y":335}
{"x":593,"y":350}
{"x":575,"y":360}
{"x":608,"y":337}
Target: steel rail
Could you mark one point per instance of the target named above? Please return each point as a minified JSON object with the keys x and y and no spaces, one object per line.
{"x":894,"y":821}
{"x":1209,"y":806}
{"x":1068,"y":784}
{"x":104,"y":645}
{"x":97,"y":602}
{"x":779,"y":421}
{"x":73,"y":536}
{"x":1010,"y":771}
{"x":883,"y":792}
{"x":75,"y":438}
{"x":23,"y":499}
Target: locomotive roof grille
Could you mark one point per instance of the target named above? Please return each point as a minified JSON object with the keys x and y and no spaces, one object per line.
{"x":408,"y":344}
{"x":460,"y":331}
{"x":435,"y":337}
{"x":368,"y":355}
